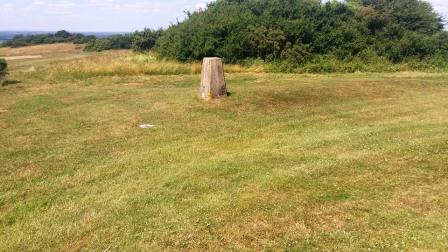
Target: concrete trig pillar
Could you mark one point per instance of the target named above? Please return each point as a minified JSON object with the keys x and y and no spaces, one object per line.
{"x":213,"y":84}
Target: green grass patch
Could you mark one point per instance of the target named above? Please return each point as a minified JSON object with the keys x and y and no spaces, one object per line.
{"x":287,"y":162}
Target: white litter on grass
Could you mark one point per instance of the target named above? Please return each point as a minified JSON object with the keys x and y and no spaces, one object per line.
{"x":32,"y":69}
{"x":146,"y":126}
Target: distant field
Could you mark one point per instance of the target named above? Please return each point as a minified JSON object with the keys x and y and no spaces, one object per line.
{"x":21,"y":59}
{"x":341,"y":162}
{"x":41,"y":50}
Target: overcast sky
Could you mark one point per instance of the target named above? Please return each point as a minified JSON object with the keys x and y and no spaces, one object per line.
{"x":104,"y":15}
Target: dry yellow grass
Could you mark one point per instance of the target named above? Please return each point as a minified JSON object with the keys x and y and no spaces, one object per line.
{"x":125,"y":63}
{"x":23,"y":57}
{"x":41,"y":50}
{"x":68,"y":61}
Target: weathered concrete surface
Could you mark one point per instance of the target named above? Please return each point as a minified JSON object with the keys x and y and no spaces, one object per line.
{"x":213,"y":84}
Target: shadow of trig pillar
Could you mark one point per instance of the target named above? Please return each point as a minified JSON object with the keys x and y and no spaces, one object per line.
{"x":213,"y":84}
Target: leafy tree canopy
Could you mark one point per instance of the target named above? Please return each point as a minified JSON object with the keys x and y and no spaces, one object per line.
{"x":58,"y":37}
{"x":145,"y":40}
{"x":299,"y":31}
{"x":109,"y":43}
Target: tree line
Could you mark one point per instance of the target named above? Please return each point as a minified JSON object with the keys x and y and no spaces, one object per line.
{"x":139,"y":41}
{"x":301,"y":31}
{"x":292,"y":32}
{"x":50,"y":38}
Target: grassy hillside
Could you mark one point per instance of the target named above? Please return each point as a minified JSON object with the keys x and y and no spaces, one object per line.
{"x":62,"y":62}
{"x":287,"y":162}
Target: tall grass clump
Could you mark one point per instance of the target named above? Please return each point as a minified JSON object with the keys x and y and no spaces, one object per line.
{"x":113,"y":65}
{"x":124,"y":64}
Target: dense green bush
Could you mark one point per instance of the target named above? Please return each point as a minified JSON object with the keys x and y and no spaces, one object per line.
{"x":145,"y":40}
{"x":3,"y":68}
{"x":310,"y":35}
{"x":3,"y":65}
{"x":58,"y":37}
{"x":139,"y":41}
{"x":109,"y":43}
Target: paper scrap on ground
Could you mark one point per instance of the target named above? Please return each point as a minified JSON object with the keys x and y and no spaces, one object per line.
{"x":146,"y":126}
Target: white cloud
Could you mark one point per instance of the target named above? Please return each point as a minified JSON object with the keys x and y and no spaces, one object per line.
{"x":6,"y":8}
{"x":200,"y":6}
{"x":138,"y":6}
{"x":54,"y":7}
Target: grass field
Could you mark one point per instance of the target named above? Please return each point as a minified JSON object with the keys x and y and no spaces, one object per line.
{"x":287,"y":162}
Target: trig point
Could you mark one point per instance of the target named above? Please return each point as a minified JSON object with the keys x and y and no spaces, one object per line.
{"x":213,"y":84}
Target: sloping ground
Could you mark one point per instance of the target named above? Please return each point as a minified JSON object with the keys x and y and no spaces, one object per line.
{"x":290,"y":162}
{"x":40,"y":50}
{"x":26,"y":59}
{"x":23,"y":57}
